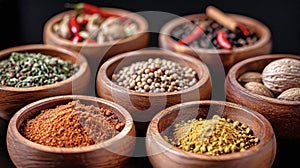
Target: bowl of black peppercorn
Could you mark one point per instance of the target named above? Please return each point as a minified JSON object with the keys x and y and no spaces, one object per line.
{"x":217,"y":35}
{"x":35,"y":71}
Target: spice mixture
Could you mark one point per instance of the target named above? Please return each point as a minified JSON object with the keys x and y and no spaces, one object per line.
{"x":155,"y":75}
{"x":94,"y":25}
{"x":213,"y":137}
{"x":210,"y":34}
{"x":72,"y":125}
{"x":34,"y":69}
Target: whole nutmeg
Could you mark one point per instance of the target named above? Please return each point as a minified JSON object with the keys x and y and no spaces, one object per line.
{"x":281,"y":74}
{"x":258,"y":88}
{"x":250,"y":77}
{"x":292,"y":94}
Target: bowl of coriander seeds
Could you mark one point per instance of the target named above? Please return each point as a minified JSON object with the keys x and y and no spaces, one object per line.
{"x":71,"y":131}
{"x":35,"y":71}
{"x":147,"y":81}
{"x":269,"y":84}
{"x":210,"y":133}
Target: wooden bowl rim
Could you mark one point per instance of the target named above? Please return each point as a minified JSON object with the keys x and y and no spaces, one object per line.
{"x":82,"y":63}
{"x":232,"y":77}
{"x":125,"y":131}
{"x":257,"y":25}
{"x":139,"y":19}
{"x":205,"y":75}
{"x":231,"y":156}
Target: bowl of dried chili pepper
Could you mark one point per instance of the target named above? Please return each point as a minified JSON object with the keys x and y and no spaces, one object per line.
{"x":210,"y":133}
{"x":35,"y":71}
{"x":71,"y":131}
{"x":215,"y":34}
{"x":97,"y":32}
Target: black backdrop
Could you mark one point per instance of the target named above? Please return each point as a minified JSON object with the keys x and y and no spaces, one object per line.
{"x":22,"y":22}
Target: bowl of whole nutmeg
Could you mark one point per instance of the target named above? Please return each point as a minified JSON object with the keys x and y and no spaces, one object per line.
{"x":71,"y":131}
{"x":35,"y":71}
{"x":210,"y":134}
{"x":97,"y":32}
{"x":215,"y":34}
{"x":147,"y":81}
{"x":269,"y":84}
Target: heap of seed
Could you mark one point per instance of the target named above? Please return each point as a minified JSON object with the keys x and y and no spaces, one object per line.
{"x":34,"y":69}
{"x":213,"y":137}
{"x":72,"y":125}
{"x":155,"y":75}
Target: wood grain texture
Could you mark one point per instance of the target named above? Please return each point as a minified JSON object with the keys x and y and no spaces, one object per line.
{"x":228,"y":57}
{"x":96,"y":54}
{"x":114,"y":152}
{"x":12,"y":99}
{"x":283,"y":115}
{"x":143,"y":106}
{"x":162,"y":153}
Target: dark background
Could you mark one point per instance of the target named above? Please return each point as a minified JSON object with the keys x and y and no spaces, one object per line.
{"x":22,"y":23}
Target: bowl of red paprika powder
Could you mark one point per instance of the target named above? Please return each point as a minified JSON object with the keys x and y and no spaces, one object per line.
{"x":71,"y":131}
{"x":214,"y":34}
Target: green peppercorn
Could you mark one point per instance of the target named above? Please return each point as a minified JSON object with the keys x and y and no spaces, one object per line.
{"x":34,"y":69}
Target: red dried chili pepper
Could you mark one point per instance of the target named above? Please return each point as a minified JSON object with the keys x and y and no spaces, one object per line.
{"x":243,"y":28}
{"x":91,"y":9}
{"x":76,"y":39}
{"x":222,"y":40}
{"x":74,"y":26}
{"x":197,"y":32}
{"x":83,"y":21}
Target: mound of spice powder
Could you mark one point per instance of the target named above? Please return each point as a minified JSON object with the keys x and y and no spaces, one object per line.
{"x":155,"y":75}
{"x":213,"y":137}
{"x":72,"y":125}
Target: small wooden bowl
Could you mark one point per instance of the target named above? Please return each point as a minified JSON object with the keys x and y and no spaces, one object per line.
{"x":98,"y":53}
{"x":143,"y":106}
{"x":228,"y":57}
{"x":283,"y":115}
{"x":161,"y":152}
{"x":111,"y":153}
{"x":12,"y":99}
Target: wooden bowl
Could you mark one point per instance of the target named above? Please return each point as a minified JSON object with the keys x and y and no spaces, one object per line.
{"x":95,"y":53}
{"x":161,"y":152}
{"x":12,"y":99}
{"x":113,"y":152}
{"x":143,"y":106}
{"x":283,"y":115}
{"x":228,"y":57}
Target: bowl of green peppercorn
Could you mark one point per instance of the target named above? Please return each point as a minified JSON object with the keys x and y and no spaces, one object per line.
{"x":35,"y":71}
{"x":210,"y":134}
